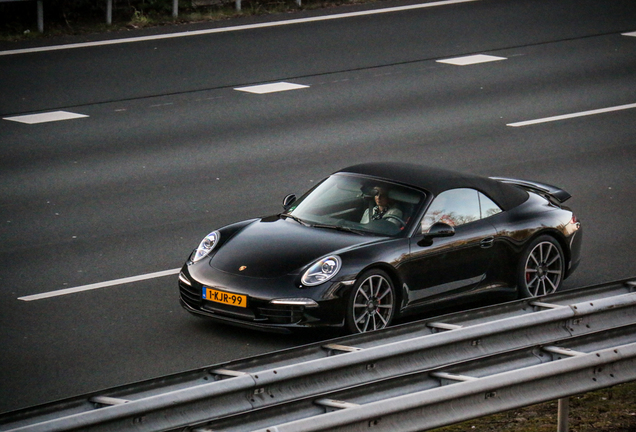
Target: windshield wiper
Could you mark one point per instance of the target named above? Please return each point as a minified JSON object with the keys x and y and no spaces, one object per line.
{"x":296,"y":218}
{"x":339,"y":228}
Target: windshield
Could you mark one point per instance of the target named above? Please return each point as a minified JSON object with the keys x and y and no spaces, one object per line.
{"x":358,"y":204}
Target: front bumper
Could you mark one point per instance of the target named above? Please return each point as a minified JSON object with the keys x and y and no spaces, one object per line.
{"x":260,"y":312}
{"x":253,"y":325}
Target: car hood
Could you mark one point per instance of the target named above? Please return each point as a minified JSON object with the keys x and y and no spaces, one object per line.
{"x":270,"y":249}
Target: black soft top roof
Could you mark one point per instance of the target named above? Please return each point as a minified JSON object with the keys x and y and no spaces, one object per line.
{"x":437,"y":180}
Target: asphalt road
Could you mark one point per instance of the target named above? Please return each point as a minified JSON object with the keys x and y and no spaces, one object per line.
{"x":169,"y":150}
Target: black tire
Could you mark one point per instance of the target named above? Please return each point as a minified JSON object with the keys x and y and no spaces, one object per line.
{"x":541,"y":268}
{"x":371,"y":303}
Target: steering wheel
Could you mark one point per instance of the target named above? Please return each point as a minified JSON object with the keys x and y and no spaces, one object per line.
{"x":399,"y":220}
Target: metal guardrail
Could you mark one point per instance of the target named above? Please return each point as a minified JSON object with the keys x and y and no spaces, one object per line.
{"x":40,"y":10}
{"x":109,"y":10}
{"x":452,"y":403}
{"x":431,"y":399}
{"x":315,"y":375}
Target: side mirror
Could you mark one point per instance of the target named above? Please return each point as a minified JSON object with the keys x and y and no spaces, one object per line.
{"x":438,"y":229}
{"x":288,"y":201}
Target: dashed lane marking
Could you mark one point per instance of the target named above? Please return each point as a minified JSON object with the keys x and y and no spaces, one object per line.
{"x":99,"y":285}
{"x":471,"y":60}
{"x":45,"y":117}
{"x":271,"y":88}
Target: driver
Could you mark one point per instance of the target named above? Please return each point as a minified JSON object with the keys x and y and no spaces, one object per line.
{"x":384,"y":208}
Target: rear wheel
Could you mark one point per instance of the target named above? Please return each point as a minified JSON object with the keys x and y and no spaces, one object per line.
{"x":541,"y":268}
{"x":371,"y":303}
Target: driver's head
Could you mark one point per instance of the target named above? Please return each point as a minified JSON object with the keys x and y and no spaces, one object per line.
{"x":381,"y":196}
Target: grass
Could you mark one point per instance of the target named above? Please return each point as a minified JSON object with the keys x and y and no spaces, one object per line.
{"x":607,"y":410}
{"x":17,"y":31}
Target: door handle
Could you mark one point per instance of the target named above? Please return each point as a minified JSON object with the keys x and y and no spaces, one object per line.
{"x":487,"y":242}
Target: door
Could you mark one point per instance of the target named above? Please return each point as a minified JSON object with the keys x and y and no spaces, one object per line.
{"x":450,"y":265}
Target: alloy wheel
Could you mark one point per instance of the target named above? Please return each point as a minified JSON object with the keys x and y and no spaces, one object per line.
{"x":373,"y":304}
{"x":543,"y":269}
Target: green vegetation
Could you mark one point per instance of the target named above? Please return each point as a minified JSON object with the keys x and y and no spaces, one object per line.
{"x":607,"y":410}
{"x":18,"y":20}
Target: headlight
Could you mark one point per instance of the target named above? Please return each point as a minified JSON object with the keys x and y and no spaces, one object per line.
{"x":321,"y":271}
{"x":206,"y":246}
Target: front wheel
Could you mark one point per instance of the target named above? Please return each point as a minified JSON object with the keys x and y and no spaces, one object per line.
{"x":371,"y":304}
{"x":541,"y":268}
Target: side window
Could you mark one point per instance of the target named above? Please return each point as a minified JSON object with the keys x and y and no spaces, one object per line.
{"x":454,"y":207}
{"x":488,"y":207}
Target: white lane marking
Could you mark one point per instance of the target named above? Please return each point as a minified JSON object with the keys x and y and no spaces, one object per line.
{"x":271,"y":88}
{"x":573,"y":115}
{"x":99,"y":285}
{"x":630,"y":34}
{"x":236,"y":28}
{"x":471,"y":59}
{"x":45,"y":117}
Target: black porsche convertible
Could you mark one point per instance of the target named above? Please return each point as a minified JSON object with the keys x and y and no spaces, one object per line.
{"x":377,"y":241}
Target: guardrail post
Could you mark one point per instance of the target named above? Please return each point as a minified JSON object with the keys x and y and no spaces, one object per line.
{"x":563,"y":414}
{"x":109,"y":12}
{"x":175,"y":8}
{"x":238,"y":5}
{"x":40,"y":16}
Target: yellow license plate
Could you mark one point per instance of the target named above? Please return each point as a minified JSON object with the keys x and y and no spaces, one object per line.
{"x":223,"y":297}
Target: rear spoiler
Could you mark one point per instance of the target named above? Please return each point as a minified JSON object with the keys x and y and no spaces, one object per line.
{"x":543,"y":189}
